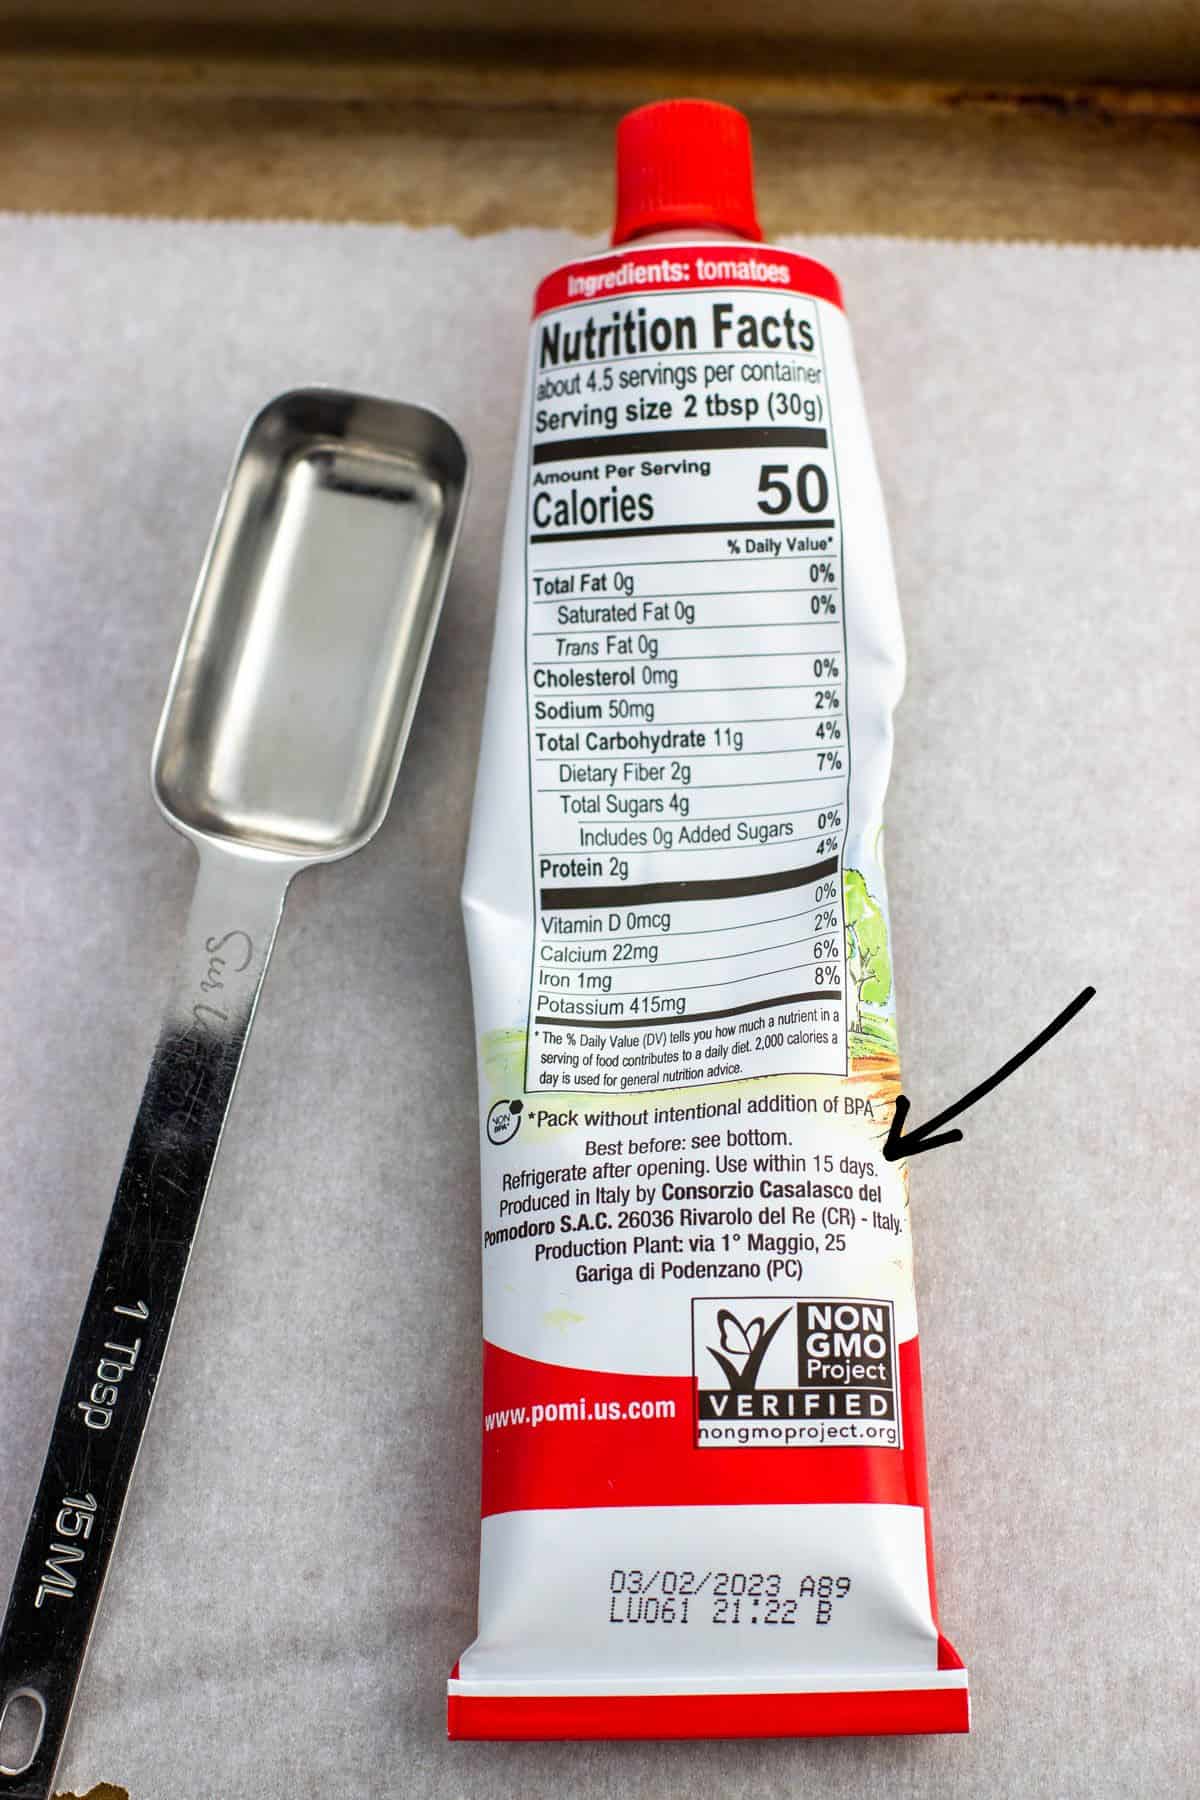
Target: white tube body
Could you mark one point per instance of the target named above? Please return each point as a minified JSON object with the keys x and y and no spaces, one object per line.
{"x":703,"y":1477}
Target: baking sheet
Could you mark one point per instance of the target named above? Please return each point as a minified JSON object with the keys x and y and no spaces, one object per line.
{"x":296,"y":1572}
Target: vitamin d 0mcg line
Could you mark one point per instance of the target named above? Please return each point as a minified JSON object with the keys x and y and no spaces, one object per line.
{"x":704,"y":1496}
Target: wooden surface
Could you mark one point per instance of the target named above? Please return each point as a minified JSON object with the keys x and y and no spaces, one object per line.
{"x":484,"y":139}
{"x":1061,"y":42}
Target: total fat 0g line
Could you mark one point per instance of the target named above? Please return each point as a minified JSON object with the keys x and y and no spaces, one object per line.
{"x":705,"y":1509}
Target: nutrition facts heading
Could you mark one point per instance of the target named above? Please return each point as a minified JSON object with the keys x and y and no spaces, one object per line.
{"x":635,"y":331}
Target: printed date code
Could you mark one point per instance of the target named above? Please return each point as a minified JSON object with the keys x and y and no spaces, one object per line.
{"x":722,"y":1597}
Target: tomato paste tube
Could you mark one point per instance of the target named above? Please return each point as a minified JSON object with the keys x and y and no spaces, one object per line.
{"x":705,"y":1510}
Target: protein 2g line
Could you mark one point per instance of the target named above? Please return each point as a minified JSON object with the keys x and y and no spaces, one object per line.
{"x":705,"y":1510}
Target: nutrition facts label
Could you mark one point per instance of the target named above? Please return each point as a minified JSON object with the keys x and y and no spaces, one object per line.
{"x":686,"y":682}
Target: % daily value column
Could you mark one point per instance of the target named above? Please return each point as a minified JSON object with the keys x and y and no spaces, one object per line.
{"x":689,"y":767}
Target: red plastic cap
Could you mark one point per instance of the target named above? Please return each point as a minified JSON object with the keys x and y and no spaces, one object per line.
{"x":681,"y":164}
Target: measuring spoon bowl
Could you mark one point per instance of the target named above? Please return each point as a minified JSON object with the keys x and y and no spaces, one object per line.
{"x":301,"y":662}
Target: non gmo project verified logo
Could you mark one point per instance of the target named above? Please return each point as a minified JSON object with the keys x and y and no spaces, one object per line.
{"x":789,"y":1373}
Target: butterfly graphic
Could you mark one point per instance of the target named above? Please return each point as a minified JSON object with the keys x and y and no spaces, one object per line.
{"x":736,"y":1338}
{"x":748,"y":1342}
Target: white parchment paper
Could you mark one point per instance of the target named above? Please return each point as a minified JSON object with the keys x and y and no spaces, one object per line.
{"x":297,"y":1568}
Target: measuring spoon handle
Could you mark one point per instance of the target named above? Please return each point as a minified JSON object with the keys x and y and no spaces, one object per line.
{"x":126,"y":1322}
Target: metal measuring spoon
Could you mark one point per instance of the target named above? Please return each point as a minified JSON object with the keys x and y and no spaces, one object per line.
{"x":279,"y":744}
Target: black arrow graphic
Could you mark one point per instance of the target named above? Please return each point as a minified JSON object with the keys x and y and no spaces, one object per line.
{"x":898,"y":1145}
